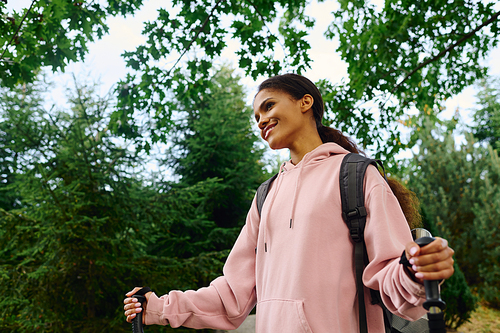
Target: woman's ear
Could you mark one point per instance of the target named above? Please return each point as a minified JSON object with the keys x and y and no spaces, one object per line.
{"x":306,"y":103}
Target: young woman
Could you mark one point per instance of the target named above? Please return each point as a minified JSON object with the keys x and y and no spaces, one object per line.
{"x":295,"y":261}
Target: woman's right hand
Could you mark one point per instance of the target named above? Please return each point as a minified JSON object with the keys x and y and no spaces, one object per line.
{"x":133,"y":306}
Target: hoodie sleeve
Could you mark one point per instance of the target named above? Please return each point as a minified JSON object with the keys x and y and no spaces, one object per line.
{"x":386,"y":235}
{"x":226,"y":302}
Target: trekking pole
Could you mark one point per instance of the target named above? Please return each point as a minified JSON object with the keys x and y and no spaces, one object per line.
{"x":434,"y":304}
{"x":137,"y":326}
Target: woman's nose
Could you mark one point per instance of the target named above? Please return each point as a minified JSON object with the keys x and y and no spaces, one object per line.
{"x":262,"y":122}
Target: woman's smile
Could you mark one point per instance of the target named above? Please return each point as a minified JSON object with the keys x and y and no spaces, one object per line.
{"x":267,"y":130}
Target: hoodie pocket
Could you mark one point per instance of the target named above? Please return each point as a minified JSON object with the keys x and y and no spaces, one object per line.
{"x":281,"y":315}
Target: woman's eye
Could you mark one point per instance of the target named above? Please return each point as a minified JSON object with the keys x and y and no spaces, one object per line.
{"x":269,"y":106}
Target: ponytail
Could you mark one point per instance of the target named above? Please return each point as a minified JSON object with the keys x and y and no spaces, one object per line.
{"x":328,"y":134}
{"x":410,"y":205}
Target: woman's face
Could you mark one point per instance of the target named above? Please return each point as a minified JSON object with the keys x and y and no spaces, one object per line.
{"x":280,"y":118}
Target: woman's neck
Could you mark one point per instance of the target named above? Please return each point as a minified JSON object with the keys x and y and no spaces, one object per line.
{"x":303,"y":147}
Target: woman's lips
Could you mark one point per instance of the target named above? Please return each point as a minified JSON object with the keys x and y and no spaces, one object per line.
{"x":267,"y":130}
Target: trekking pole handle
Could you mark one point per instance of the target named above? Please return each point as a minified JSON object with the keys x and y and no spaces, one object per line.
{"x":137,"y":326}
{"x":434,"y":304}
{"x":431,"y":286}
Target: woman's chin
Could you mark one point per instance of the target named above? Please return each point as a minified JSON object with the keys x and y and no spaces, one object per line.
{"x":275,"y":145}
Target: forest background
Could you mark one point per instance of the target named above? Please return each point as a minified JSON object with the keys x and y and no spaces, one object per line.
{"x":148,"y":182}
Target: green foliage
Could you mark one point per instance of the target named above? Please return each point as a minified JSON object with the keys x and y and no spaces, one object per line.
{"x":487,"y":117}
{"x":214,"y":138}
{"x":215,"y":157}
{"x":405,"y":54}
{"x":51,"y":33}
{"x":198,"y":30}
{"x":85,"y":228}
{"x":10,"y":150}
{"x":408,"y":53}
{"x":66,"y":254}
{"x":458,"y":188}
{"x":460,"y":302}
{"x":486,"y":225}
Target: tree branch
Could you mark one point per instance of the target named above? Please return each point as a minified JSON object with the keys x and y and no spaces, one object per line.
{"x":264,"y":21}
{"x":448,"y":49}
{"x":195,"y":37}
{"x":167,"y":74}
{"x":18,"y":28}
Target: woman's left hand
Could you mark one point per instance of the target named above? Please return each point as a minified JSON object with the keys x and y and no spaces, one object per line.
{"x":132,"y":306}
{"x":431,"y":262}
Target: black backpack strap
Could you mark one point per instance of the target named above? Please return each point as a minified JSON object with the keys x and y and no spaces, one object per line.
{"x":262,"y":192}
{"x":351,"y":181}
{"x":351,"y":178}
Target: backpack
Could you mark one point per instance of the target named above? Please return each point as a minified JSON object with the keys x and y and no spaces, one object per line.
{"x":351,"y":180}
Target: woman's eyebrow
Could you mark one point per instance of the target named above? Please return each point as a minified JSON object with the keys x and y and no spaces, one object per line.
{"x":261,"y":106}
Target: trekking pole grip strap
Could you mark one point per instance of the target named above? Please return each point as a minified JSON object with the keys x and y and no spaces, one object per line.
{"x":404,"y":260}
{"x":142,"y":291}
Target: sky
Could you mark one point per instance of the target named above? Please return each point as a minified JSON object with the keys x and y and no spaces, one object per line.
{"x":104,"y":59}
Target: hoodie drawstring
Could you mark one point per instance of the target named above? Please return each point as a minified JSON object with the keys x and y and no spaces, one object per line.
{"x":277,"y":184}
{"x":295,"y":192}
{"x":321,"y":153}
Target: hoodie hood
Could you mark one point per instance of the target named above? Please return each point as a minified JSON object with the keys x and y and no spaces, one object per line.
{"x":318,"y":155}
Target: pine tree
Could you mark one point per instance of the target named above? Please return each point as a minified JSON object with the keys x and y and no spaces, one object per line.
{"x":214,"y":139}
{"x":458,"y":189}
{"x":68,"y":250}
{"x":487,"y":118}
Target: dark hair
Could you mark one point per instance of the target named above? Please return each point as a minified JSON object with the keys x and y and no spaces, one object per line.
{"x":297,"y":86}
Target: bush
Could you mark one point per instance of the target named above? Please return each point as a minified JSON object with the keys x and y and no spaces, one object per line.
{"x":460,"y":302}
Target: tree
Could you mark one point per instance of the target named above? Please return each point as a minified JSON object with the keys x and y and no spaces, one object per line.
{"x":213,"y":148}
{"x":10,"y":150}
{"x":459,"y":192}
{"x":487,"y":117}
{"x":402,"y":55}
{"x":51,"y":33}
{"x":215,"y":139}
{"x":87,"y":228}
{"x":197,"y":32}
{"x":66,"y":254}
{"x":78,"y":238}
{"x":406,"y":54}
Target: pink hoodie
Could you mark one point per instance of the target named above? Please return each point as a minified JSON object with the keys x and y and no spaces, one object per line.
{"x":296,"y":262}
